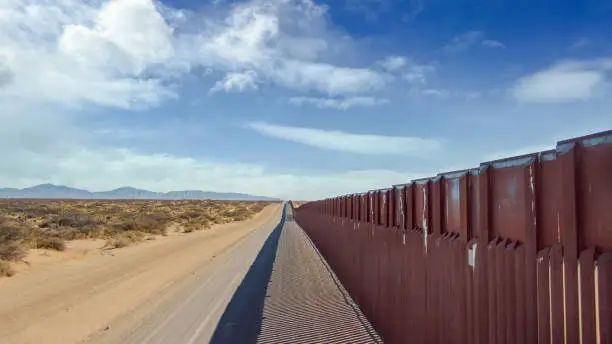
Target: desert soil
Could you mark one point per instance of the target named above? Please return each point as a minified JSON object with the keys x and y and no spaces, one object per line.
{"x":66,"y":297}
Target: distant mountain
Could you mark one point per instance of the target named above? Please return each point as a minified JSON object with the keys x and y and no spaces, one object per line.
{"x":126,"y":192}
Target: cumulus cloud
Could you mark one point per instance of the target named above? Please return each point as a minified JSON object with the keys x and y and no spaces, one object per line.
{"x":282,"y":41}
{"x":338,"y":103}
{"x":130,"y":53}
{"x":236,"y":82}
{"x":73,"y":53}
{"x":368,"y":144}
{"x":565,"y":81}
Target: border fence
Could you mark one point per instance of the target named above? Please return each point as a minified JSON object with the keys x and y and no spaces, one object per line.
{"x":517,"y":250}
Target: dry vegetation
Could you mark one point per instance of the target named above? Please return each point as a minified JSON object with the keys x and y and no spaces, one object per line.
{"x":48,"y":224}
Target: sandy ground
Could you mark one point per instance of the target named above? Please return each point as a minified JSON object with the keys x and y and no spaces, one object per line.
{"x":67,"y":297}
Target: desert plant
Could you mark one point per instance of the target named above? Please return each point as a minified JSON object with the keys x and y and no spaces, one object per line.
{"x":10,"y":233}
{"x":118,"y":242}
{"x":12,"y":251}
{"x":124,"y":239}
{"x":51,"y":243}
{"x":192,"y":214}
{"x":5,"y":269}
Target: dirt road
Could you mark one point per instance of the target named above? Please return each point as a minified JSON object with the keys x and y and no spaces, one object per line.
{"x":135,"y":294}
{"x":191,"y":314}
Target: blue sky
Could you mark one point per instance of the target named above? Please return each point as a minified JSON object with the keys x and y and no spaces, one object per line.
{"x":291,"y":98}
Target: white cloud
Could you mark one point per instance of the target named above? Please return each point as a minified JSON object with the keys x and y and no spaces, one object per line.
{"x":130,"y":33}
{"x":93,"y":53}
{"x":393,"y":63}
{"x":340,"y":103}
{"x":282,"y":42}
{"x":469,"y":39}
{"x":407,"y":68}
{"x":491,"y":43}
{"x":565,"y":81}
{"x":236,"y":82}
{"x":368,"y":144}
{"x":130,"y":53}
{"x":325,"y":78}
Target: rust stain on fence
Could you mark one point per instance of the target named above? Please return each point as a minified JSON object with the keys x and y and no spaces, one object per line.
{"x":518,"y":250}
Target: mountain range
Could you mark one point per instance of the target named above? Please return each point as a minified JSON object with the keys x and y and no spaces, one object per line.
{"x":64,"y":192}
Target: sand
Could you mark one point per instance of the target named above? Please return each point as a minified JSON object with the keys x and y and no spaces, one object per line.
{"x":64,"y":297}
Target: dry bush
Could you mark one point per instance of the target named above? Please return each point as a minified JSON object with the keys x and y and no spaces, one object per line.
{"x":11,"y":232}
{"x":191,"y":214}
{"x":11,"y":238}
{"x":12,"y":250}
{"x":124,"y":239}
{"x":51,"y":243}
{"x":70,"y":219}
{"x":152,"y":224}
{"x":5,"y":269}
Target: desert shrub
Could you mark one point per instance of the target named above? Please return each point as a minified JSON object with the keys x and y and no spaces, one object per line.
{"x":257,"y":207}
{"x":204,"y":224}
{"x":192,"y":214}
{"x":11,"y":237}
{"x":124,"y":239}
{"x":12,"y":250}
{"x":51,"y":243}
{"x":75,"y":220}
{"x":118,"y":242}
{"x":238,"y":214}
{"x":9,"y":232}
{"x":207,"y":218}
{"x":5,"y":269}
{"x":152,"y":223}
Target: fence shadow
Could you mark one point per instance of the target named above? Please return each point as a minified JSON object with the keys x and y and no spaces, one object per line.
{"x":241,"y":322}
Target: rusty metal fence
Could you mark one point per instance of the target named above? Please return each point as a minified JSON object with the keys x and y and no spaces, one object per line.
{"x":517,"y":250}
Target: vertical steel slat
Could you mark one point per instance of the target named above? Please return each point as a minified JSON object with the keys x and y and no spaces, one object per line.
{"x":587,"y":297}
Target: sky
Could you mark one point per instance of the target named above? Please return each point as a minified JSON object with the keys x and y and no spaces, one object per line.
{"x":296,"y":99}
